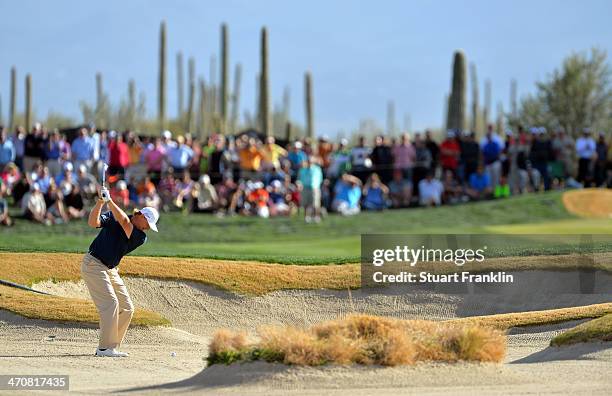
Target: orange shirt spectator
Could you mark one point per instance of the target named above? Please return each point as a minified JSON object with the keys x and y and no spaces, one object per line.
{"x":250,"y":158}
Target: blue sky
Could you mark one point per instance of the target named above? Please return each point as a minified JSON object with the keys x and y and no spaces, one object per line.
{"x":361,"y":53}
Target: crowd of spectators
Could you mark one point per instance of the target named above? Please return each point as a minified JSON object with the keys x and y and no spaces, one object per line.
{"x":54,"y":179}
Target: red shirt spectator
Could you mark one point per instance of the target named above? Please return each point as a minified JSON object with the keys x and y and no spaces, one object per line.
{"x":449,"y":153}
{"x":119,"y":152}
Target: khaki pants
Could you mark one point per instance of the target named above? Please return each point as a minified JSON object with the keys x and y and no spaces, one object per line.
{"x":111,"y":298}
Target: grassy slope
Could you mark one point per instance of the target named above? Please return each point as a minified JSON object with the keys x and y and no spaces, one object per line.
{"x":290,"y":240}
{"x":595,"y":330}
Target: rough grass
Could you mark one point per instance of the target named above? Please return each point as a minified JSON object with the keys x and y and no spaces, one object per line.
{"x":537,"y":318}
{"x":599,"y":329}
{"x":62,"y":309}
{"x":590,"y":203}
{"x":362,"y":339}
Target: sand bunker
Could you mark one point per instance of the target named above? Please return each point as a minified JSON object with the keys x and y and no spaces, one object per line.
{"x":591,"y":202}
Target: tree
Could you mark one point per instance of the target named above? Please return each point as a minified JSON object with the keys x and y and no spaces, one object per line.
{"x":576,"y":96}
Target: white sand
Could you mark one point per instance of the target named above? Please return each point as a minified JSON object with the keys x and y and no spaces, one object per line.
{"x":197,"y":310}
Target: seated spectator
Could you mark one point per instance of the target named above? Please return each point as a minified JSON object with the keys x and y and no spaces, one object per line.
{"x":167,"y":190}
{"x":54,"y":201}
{"x":183,"y":191}
{"x":5,"y":218}
{"x":120,"y":194}
{"x":375,"y":194}
{"x":430,"y":190}
{"x":68,"y":169}
{"x":33,"y":206}
{"x":276,"y":173}
{"x":86,"y":182}
{"x":205,"y":196}
{"x":226,"y":194}
{"x":503,"y":189}
{"x":347,"y":195}
{"x":10,"y":176}
{"x":400,"y":190}
{"x":479,"y":186}
{"x":257,"y":197}
{"x":73,"y":202}
{"x":278,"y":204}
{"x":453,"y":191}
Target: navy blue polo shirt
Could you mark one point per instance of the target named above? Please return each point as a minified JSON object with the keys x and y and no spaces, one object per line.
{"x":112,"y":244}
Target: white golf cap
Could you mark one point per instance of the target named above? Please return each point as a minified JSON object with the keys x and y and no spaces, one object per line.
{"x":152,"y":215}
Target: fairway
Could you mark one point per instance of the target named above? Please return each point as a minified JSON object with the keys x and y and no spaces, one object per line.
{"x":335,"y":240}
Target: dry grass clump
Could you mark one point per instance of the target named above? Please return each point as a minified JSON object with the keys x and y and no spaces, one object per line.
{"x":364,"y":339}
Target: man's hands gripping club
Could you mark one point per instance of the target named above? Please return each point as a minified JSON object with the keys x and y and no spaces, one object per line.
{"x":118,"y":214}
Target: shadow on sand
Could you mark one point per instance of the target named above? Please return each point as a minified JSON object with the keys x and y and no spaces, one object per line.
{"x":583,"y":351}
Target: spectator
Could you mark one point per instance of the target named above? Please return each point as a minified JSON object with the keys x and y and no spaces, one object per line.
{"x":491,"y":146}
{"x":219,"y":160}
{"x":375,"y":194}
{"x":184,"y":190}
{"x":382,"y":159}
{"x":154,"y":159}
{"x":53,"y":153}
{"x":361,"y":164}
{"x":18,"y":139}
{"x":119,"y":154}
{"x":480,"y":185}
{"x":5,"y":217}
{"x":586,"y":150}
{"x":433,"y":148}
{"x":404,"y":156}
{"x":120,"y":194}
{"x":86,"y":182}
{"x":278,"y":202}
{"x":226,"y":193}
{"x":167,"y":190}
{"x":347,"y":195}
{"x":206,"y":199}
{"x":563,"y":147}
{"x":540,"y":154}
{"x":296,"y":157}
{"x":55,"y":205}
{"x":422,"y":162}
{"x":33,"y":148}
{"x":257,"y":198}
{"x":470,"y":156}
{"x":430,"y":190}
{"x":340,"y":162}
{"x":250,"y":159}
{"x":272,"y":153}
{"x":450,"y":153}
{"x":310,"y":177}
{"x":73,"y":202}
{"x":324,"y":151}
{"x":33,"y":206}
{"x":67,"y":173}
{"x":601,"y":150}
{"x":83,"y":150}
{"x":503,"y":189}
{"x":7,"y":149}
{"x":180,"y":156}
{"x":453,"y":192}
{"x":10,"y":176}
{"x":400,"y":190}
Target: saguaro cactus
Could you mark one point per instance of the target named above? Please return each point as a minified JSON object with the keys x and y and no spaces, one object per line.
{"x":264,"y":90}
{"x":457,"y":100}
{"x":236,"y":98}
{"x":223,"y":94}
{"x":28,"y":102}
{"x":13,"y":99}
{"x":161,"y":98}
{"x":475,"y":125}
{"x":487,"y":103}
{"x":288,"y":131}
{"x":191,"y":119}
{"x":513,"y":105}
{"x":180,"y":84}
{"x":310,"y":132}
{"x":390,"y":118}
{"x":500,"y":118}
{"x":202,"y":109}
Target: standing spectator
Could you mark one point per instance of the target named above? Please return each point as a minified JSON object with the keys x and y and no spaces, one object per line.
{"x":119,"y":154}
{"x":540,"y":155}
{"x":18,"y":139}
{"x":563,"y":147}
{"x":53,"y":153}
{"x":601,"y":160}
{"x":422,"y":162}
{"x":296,"y":157}
{"x":324,"y":151}
{"x":433,"y":148}
{"x":470,"y":156}
{"x":154,"y":159}
{"x":586,"y":150}
{"x":361,"y":163}
{"x":503,"y":189}
{"x":340,"y":162}
{"x":310,"y":177}
{"x":382,"y":159}
{"x":83,"y":150}
{"x":250,"y":159}
{"x":480,"y":185}
{"x":491,"y":147}
{"x":272,"y":153}
{"x":347,"y":195}
{"x":450,"y":153}
{"x":375,"y":194}
{"x":404,"y":156}
{"x":7,"y":149}
{"x":180,"y":156}
{"x":430,"y":190}
{"x":400,"y":190}
{"x":33,"y":148}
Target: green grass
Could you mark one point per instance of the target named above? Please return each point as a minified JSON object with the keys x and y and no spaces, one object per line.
{"x":599,"y":329}
{"x":290,"y":240}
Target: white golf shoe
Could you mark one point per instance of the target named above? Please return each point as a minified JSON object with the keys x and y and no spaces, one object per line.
{"x":110,"y":352}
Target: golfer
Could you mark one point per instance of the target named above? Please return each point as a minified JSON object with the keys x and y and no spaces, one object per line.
{"x":119,"y":235}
